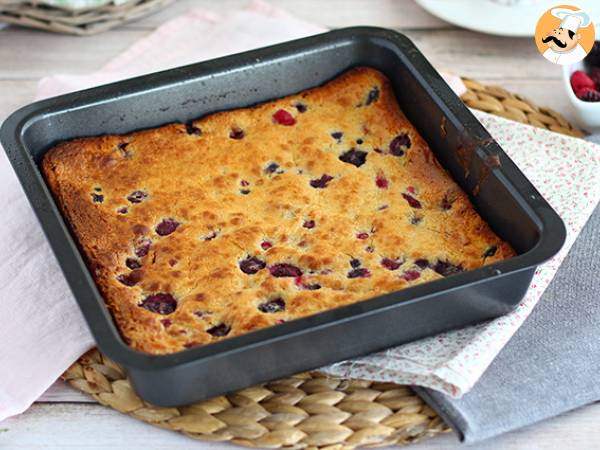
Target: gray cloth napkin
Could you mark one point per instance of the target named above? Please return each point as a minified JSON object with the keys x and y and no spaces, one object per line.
{"x":551,"y":365}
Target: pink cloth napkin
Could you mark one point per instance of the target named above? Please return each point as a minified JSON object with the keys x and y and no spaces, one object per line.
{"x":42,"y":331}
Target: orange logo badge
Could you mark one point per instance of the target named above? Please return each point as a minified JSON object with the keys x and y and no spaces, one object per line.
{"x":564,"y":34}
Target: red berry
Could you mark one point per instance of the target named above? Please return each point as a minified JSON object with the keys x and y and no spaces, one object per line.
{"x":446,"y":203}
{"x":355,"y":157}
{"x":161,"y":303}
{"x":272,"y":168}
{"x":137,"y":196}
{"x":359,"y":272}
{"x":301,"y":107}
{"x":133,"y":263}
{"x":209,"y":237}
{"x":581,"y":80}
{"x":381,"y":182}
{"x":413,"y":202}
{"x":373,"y":95}
{"x":285,"y":270}
{"x":362,"y":236}
{"x":272,"y":306}
{"x":400,"y":144}
{"x":219,"y":330}
{"x":192,"y":130}
{"x":166,"y":227}
{"x":410,"y":275}
{"x":588,"y":95}
{"x":282,"y":117}
{"x":422,"y":263}
{"x":252,"y":265}
{"x":446,"y":268}
{"x":237,"y":133}
{"x":133,"y":278}
{"x":142,"y":247}
{"x":391,"y":264}
{"x":321,"y":183}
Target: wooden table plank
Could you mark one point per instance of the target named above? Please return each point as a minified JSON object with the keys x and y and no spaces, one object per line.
{"x":483,"y":57}
{"x":31,"y":54}
{"x":87,"y":426}
{"x":37,"y":51}
{"x":382,"y":13}
{"x":61,"y":392}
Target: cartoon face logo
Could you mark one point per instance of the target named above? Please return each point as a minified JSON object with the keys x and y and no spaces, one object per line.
{"x":561,"y":40}
{"x":564,"y":35}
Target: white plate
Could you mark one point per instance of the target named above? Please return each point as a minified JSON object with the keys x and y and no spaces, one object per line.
{"x":487,"y":16}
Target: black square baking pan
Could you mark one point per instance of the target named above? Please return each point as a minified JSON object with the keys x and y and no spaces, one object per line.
{"x":499,"y":191}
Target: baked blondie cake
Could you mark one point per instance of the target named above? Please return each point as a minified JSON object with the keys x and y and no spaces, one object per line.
{"x":249,"y":218}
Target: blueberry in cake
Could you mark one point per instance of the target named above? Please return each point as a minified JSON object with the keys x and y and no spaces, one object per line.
{"x":245,"y":219}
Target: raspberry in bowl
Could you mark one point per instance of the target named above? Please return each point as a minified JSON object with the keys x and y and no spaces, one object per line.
{"x":582,"y":83}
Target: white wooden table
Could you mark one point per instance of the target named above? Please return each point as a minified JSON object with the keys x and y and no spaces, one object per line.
{"x":64,"y":418}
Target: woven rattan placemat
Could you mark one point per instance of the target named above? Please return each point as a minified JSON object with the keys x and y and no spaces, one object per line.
{"x":36,"y":14}
{"x":307,"y":410}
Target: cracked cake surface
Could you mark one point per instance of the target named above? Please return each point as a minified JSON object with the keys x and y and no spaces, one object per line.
{"x":248,"y":218}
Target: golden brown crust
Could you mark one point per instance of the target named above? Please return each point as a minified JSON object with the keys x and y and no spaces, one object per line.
{"x":372,"y":223}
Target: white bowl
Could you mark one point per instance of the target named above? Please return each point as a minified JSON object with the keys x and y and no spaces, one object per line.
{"x":588,"y":113}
